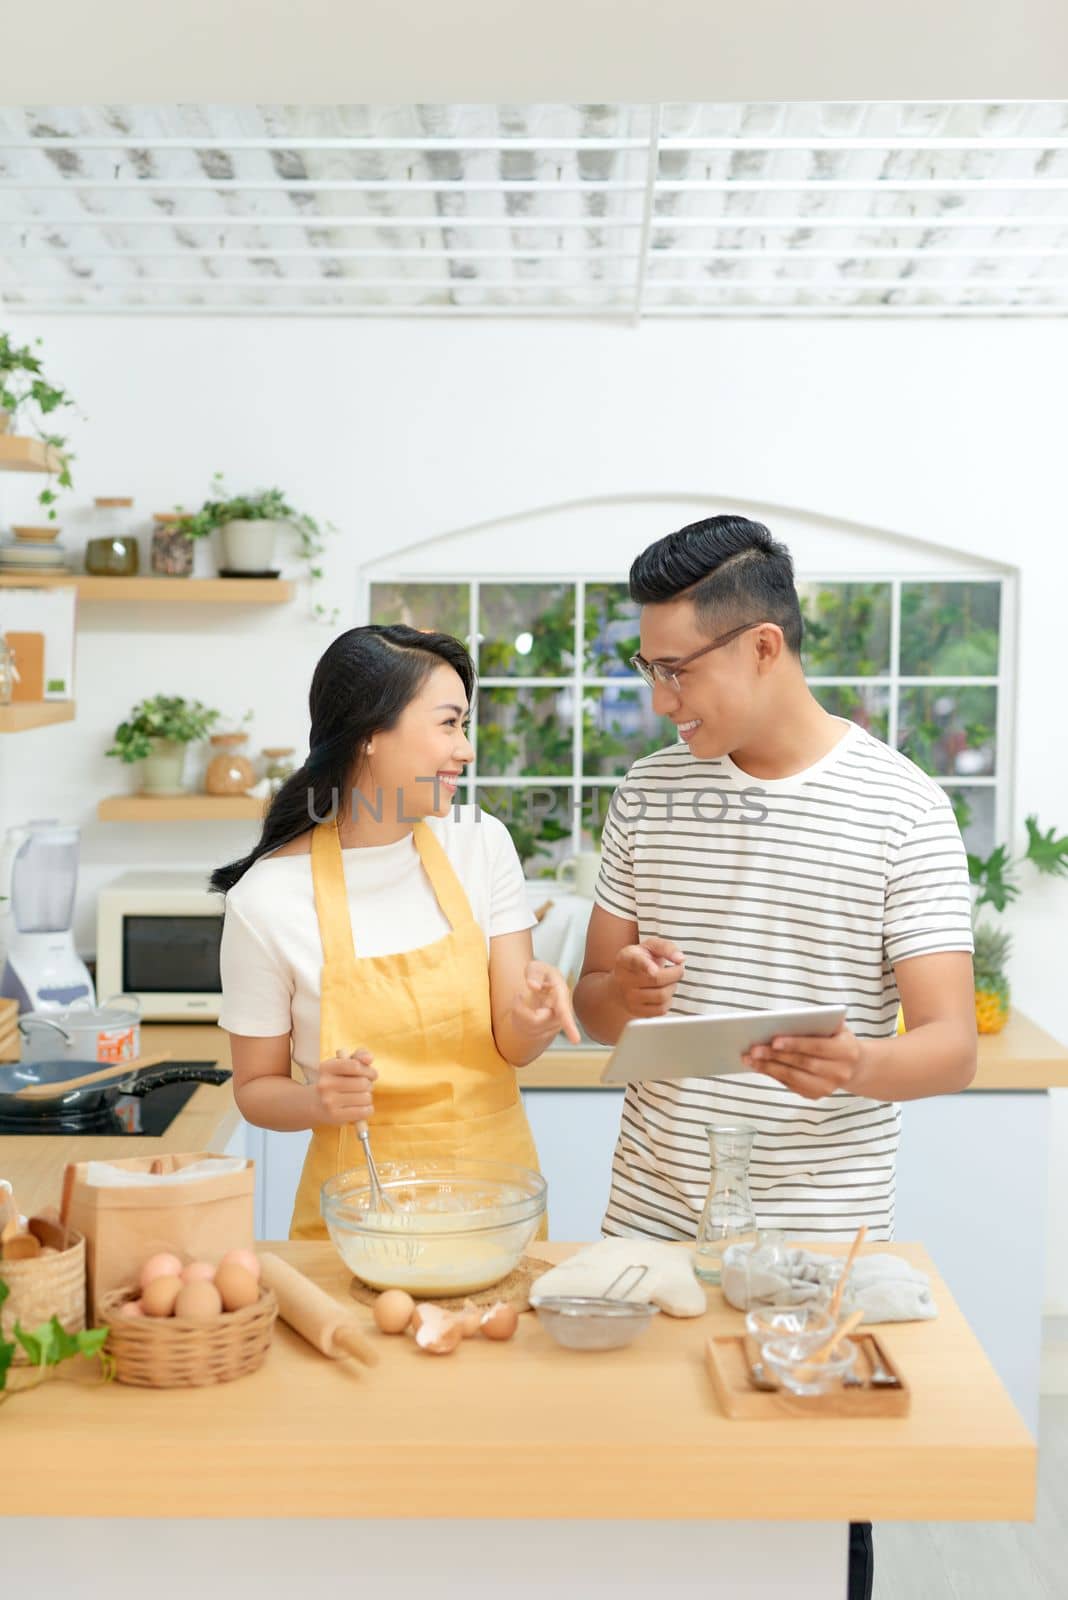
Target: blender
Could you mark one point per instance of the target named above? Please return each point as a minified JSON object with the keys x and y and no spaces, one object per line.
{"x":39,"y":874}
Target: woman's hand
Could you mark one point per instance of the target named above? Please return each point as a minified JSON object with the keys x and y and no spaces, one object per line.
{"x":343,"y":1089}
{"x":543,"y":1005}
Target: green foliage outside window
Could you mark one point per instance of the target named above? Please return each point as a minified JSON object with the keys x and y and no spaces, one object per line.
{"x":527,"y":630}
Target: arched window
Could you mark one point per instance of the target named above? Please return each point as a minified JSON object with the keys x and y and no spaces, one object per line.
{"x":904,"y":636}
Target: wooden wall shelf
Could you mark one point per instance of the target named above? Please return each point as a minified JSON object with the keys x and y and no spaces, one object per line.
{"x":180,"y":808}
{"x":21,"y":454}
{"x":23,"y":714}
{"x":170,"y":591}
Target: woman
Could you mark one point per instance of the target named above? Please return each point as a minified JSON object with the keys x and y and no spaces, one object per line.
{"x":379,"y":940}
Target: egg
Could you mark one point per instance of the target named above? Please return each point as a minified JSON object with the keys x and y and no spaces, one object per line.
{"x":159,"y":1295}
{"x":393,"y":1311}
{"x":163,"y":1265}
{"x":236,"y":1285}
{"x":500,"y":1321}
{"x":198,"y":1272}
{"x":243,"y":1258}
{"x":199,"y":1301}
{"x":131,"y":1308}
{"x":470,"y":1318}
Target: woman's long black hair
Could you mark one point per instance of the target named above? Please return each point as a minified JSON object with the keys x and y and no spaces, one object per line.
{"x":360,"y":687}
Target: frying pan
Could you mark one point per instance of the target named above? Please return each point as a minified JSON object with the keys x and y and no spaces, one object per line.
{"x":94,"y":1098}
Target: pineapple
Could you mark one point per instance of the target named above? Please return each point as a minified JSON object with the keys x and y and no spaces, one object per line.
{"x":991,"y":985}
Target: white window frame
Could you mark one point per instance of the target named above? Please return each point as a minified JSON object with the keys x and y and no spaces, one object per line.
{"x":1004,"y":681}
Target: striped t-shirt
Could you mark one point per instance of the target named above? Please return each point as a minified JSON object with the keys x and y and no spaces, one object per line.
{"x":779,"y":892}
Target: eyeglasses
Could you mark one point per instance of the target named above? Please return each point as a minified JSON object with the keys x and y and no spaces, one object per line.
{"x":655,"y":672}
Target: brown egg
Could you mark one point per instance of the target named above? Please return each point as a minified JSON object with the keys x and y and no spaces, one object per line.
{"x":199,"y":1301}
{"x":236,"y":1286}
{"x":198,"y":1272}
{"x":470,"y":1318}
{"x":500,"y":1321}
{"x":158,"y":1296}
{"x":393,"y":1311}
{"x":131,"y":1309}
{"x":163,"y":1265}
{"x":243,"y":1258}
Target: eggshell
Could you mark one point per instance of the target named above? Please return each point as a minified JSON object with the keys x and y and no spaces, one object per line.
{"x":159,"y":1295}
{"x":236,"y":1286}
{"x":393,"y":1311}
{"x":436,"y":1330}
{"x":198,"y":1272}
{"x":243,"y":1258}
{"x":163,"y":1265}
{"x":500,"y":1321}
{"x":132,"y":1308}
{"x":200,"y":1301}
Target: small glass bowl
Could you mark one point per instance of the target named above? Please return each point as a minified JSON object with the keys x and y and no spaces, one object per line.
{"x":585,"y":1322}
{"x":800,"y":1323}
{"x":788,"y":1360}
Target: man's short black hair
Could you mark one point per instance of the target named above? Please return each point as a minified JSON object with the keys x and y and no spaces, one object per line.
{"x":736,"y":571}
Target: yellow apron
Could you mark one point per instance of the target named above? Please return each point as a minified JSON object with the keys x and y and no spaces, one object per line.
{"x":443,"y":1088}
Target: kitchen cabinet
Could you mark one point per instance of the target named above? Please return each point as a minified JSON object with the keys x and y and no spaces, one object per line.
{"x":521,"y":1465}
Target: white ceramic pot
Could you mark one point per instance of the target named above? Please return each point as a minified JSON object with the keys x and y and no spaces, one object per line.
{"x":161,"y":772}
{"x":249,"y":546}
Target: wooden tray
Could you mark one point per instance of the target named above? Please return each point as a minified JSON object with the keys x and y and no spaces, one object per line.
{"x":728,"y":1361}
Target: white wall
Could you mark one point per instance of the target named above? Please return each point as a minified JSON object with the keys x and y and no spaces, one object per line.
{"x":946,"y":432}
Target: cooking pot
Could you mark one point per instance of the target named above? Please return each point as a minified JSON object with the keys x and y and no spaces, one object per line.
{"x":81,"y":1032}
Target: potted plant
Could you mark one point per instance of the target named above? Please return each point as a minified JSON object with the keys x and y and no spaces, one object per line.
{"x":995,"y":884}
{"x":249,"y":526}
{"x":26,"y":396}
{"x":156,"y":734}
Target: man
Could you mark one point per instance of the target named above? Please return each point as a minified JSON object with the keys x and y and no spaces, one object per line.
{"x":776,"y":856}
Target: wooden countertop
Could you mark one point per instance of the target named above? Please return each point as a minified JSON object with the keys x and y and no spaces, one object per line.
{"x":34,"y":1165}
{"x":522,"y":1430}
{"x":1022,"y":1056}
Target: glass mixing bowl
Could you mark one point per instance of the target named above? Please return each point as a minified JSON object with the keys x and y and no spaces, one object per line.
{"x":460,"y":1226}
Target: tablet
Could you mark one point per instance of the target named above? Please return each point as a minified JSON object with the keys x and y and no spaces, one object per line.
{"x":657,"y":1048}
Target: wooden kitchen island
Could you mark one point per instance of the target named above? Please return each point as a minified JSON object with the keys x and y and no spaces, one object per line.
{"x":552,"y":1467}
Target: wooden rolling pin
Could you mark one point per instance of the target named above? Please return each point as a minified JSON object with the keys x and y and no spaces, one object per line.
{"x":312,"y":1312}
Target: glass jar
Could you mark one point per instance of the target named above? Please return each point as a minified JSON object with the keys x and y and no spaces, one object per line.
{"x":728,"y":1214}
{"x":280,"y":765}
{"x":172,"y":550}
{"x":229,"y":772}
{"x":111,"y":549}
{"x":7,"y":673}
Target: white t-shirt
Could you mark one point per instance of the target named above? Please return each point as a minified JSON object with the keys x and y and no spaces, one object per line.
{"x":803,"y":890}
{"x":271,"y":956}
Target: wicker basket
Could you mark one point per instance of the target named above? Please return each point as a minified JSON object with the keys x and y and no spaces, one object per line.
{"x":178,"y":1353}
{"x":44,"y":1287}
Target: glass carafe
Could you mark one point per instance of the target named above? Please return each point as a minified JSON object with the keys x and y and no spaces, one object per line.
{"x":728,"y":1214}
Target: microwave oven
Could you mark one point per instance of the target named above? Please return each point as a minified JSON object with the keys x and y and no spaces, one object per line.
{"x":157,"y":938}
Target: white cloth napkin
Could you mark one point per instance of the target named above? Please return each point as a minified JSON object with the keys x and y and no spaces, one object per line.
{"x":883,"y":1286}
{"x":667,"y":1282}
{"x":101,"y":1175}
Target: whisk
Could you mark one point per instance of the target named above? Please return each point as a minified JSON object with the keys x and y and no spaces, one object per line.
{"x":380,"y":1200}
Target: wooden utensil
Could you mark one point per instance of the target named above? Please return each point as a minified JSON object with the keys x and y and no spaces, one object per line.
{"x":314,"y":1315}
{"x":116,"y":1069}
{"x":839,"y":1288}
{"x":51,"y":1235}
